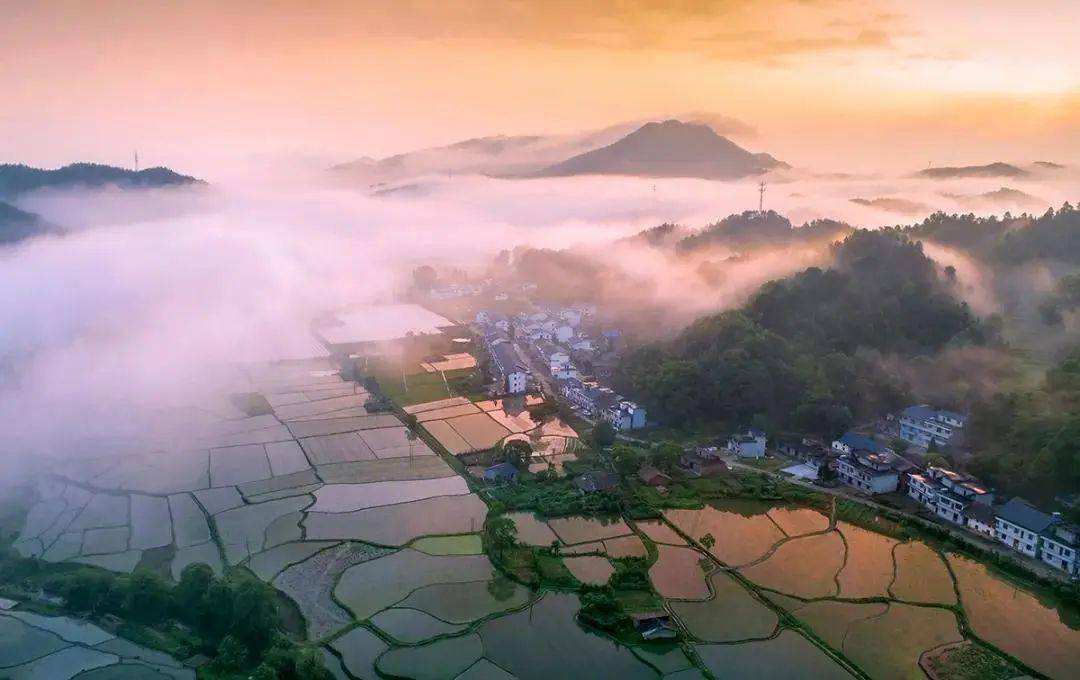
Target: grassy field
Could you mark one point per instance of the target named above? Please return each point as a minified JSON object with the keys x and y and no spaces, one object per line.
{"x":418,"y":388}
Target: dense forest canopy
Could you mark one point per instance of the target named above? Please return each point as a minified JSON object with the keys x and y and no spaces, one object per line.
{"x":753,"y":228}
{"x":1029,"y":442}
{"x":801,"y":354}
{"x":1009,"y":239}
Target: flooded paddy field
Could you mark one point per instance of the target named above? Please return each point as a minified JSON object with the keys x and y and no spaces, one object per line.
{"x":377,"y":541}
{"x":36,"y":646}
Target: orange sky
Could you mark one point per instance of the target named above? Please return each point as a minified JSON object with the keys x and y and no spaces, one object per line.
{"x":830,"y":84}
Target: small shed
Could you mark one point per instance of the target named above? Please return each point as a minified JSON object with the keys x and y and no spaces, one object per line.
{"x":653,"y":477}
{"x":501,"y":472}
{"x":597,"y":480}
{"x":654,"y":625}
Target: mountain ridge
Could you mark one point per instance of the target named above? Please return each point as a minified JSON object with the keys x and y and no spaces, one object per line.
{"x":17,"y":179}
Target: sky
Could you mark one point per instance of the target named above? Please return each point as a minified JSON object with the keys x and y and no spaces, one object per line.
{"x":840,"y":86}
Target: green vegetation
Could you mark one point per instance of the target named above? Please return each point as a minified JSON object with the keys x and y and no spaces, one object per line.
{"x":802,"y":354}
{"x":601,"y":609}
{"x":17,"y":179}
{"x":971,"y":662}
{"x":232,"y":619}
{"x":753,"y":228}
{"x":1029,"y":442}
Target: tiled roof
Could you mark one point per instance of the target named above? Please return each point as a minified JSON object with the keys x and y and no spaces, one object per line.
{"x":1024,"y":514}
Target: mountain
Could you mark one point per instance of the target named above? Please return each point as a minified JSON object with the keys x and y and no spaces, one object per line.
{"x":519,"y":155}
{"x":999,"y":198}
{"x":18,"y":179}
{"x":668,"y":149}
{"x":18,"y":225}
{"x":892,"y":204}
{"x":988,"y":170}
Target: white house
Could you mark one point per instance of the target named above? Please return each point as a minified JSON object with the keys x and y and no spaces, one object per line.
{"x":571,"y":317}
{"x":869,"y":471}
{"x":513,"y":374}
{"x":851,"y":442}
{"x":947,"y":493}
{"x":1020,"y":526}
{"x":564,"y":333}
{"x":624,"y":415}
{"x":922,"y":425}
{"x":981,"y":519}
{"x":749,"y":445}
{"x":1061,"y":543}
{"x":590,"y":398}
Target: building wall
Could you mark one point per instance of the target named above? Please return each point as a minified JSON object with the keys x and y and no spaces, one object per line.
{"x":981,"y":527}
{"x":1059,"y":556}
{"x":515,"y":382}
{"x":875,"y":484}
{"x":1019,"y":539}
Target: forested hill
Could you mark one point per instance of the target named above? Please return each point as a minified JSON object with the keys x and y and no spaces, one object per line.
{"x":1054,"y":235}
{"x":801,"y":355}
{"x":18,"y":179}
{"x":754,"y":228}
{"x":1028,"y":442}
{"x":17,"y":225}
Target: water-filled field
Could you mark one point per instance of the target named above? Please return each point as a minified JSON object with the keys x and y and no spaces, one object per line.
{"x":1017,"y":620}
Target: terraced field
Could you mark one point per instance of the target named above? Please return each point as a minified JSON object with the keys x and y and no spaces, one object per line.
{"x":377,"y":541}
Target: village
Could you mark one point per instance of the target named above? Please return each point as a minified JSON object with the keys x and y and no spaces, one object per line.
{"x":417,"y":485}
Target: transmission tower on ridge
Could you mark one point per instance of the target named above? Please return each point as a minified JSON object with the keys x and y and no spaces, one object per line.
{"x":761,"y":197}
{"x":136,"y":161}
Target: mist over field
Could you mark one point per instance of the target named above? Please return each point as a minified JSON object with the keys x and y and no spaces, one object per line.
{"x":152,"y":296}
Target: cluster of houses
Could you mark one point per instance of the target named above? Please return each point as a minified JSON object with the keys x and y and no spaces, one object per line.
{"x":602,"y":403}
{"x":925,"y":426}
{"x":511,"y":373}
{"x":866,"y":465}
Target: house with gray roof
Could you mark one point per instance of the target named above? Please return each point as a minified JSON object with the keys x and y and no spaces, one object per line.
{"x":1020,"y":525}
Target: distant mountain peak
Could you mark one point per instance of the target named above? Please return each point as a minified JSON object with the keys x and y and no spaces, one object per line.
{"x":997,"y":169}
{"x":669,"y":148}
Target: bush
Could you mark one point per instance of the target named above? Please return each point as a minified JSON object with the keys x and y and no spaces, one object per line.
{"x":600,"y":608}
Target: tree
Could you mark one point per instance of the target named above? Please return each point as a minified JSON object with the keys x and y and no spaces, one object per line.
{"x":626,"y":459}
{"x":935,"y":460}
{"x":424,"y":277}
{"x":707,"y":541}
{"x":665,"y":456}
{"x":501,"y":533}
{"x":253,"y":615}
{"x":147,"y":597}
{"x":517,"y":452}
{"x":194,"y":581}
{"x":603,"y":434}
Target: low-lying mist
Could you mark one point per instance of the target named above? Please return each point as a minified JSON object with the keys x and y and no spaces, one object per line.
{"x":152,"y":297}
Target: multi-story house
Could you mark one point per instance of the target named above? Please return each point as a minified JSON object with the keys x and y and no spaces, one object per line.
{"x":1060,"y":547}
{"x":625,"y":415}
{"x":947,"y":493}
{"x":873,"y":472}
{"x":590,"y":398}
{"x":1020,"y":525}
{"x":748,"y":445}
{"x":923,"y":425}
{"x":512,"y":374}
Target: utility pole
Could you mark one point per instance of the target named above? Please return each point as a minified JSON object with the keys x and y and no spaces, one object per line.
{"x":136,"y":161}
{"x":761,"y":197}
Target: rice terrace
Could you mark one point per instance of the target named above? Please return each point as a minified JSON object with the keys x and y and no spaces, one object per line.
{"x":399,"y":559}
